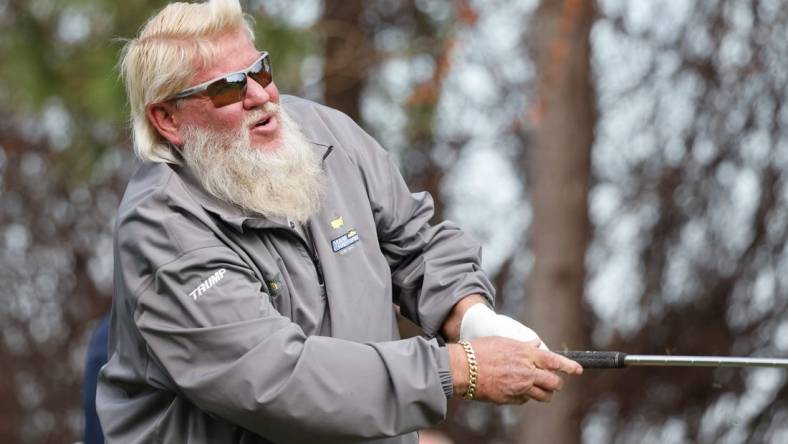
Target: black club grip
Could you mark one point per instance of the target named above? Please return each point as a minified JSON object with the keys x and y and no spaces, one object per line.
{"x":596,"y":359}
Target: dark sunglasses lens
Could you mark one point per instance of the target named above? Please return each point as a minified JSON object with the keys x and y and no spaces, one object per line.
{"x":227,"y":90}
{"x":261,"y":72}
{"x":263,"y":78}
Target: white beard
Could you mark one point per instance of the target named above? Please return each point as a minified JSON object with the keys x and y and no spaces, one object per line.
{"x":285,"y":180}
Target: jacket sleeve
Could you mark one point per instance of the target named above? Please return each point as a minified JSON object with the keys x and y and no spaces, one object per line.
{"x":209,"y":324}
{"x":432,"y":266}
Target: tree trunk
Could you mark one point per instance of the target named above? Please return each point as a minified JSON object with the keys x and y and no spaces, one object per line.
{"x":559,"y":170}
{"x":348,"y":54}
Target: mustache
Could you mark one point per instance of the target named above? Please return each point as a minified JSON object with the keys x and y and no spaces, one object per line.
{"x":230,"y":135}
{"x":269,"y":108}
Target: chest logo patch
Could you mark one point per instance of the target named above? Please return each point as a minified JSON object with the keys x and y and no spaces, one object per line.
{"x":345,"y":241}
{"x":207,"y":284}
{"x":337,"y":223}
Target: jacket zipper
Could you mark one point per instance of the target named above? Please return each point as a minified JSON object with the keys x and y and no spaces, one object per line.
{"x":309,"y":246}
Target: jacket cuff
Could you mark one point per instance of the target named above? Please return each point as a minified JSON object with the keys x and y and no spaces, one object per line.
{"x":444,"y":372}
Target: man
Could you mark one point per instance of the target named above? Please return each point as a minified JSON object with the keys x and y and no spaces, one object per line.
{"x":259,"y":253}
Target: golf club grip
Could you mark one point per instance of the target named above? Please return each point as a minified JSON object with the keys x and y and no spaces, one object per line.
{"x":597,"y":359}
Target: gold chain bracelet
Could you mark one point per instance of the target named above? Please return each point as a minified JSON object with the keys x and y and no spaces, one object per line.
{"x":474,"y":369}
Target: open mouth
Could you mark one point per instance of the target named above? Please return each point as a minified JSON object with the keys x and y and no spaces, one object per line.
{"x":263,"y":122}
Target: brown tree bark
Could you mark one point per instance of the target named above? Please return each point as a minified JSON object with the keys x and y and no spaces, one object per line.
{"x":559,"y":171}
{"x":348,"y":54}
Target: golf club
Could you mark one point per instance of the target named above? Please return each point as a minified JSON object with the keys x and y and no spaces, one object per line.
{"x":614,"y":359}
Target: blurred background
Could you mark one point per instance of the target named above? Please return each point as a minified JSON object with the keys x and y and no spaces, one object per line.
{"x":623,"y":162}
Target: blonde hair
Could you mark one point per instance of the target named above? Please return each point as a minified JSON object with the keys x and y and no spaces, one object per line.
{"x":159,"y":62}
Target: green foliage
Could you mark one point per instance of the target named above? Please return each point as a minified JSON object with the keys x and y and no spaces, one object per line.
{"x":288,"y":47}
{"x":27,"y":73}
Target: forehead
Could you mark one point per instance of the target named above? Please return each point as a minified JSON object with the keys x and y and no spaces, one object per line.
{"x":234,"y":52}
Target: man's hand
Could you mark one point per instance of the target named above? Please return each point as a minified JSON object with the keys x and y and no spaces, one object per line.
{"x":479,"y":321}
{"x":510,"y":372}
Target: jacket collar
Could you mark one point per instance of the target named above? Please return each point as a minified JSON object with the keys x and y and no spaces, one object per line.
{"x":232,"y":214}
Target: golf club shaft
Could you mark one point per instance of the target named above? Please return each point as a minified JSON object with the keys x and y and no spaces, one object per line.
{"x":611,"y":359}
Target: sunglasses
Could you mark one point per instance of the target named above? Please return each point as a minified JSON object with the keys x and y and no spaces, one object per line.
{"x":230,"y":88}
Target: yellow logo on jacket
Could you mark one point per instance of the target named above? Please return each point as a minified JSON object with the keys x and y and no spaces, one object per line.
{"x":337,"y":223}
{"x":274,"y":285}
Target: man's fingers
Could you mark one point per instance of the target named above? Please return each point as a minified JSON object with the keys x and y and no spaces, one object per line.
{"x":557,"y":363}
{"x":547,"y":380}
{"x":539,"y":394}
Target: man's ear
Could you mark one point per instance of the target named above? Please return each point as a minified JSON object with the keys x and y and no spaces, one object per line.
{"x":163,"y":116}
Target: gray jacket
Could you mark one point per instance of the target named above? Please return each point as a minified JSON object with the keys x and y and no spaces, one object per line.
{"x":228,"y":328}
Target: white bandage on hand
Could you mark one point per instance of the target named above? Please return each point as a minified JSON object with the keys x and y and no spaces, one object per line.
{"x":479,"y":321}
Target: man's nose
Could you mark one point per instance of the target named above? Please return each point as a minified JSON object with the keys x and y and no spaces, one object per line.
{"x":255,"y":95}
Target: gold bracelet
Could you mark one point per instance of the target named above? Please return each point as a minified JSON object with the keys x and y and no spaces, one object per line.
{"x":474,"y":369}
